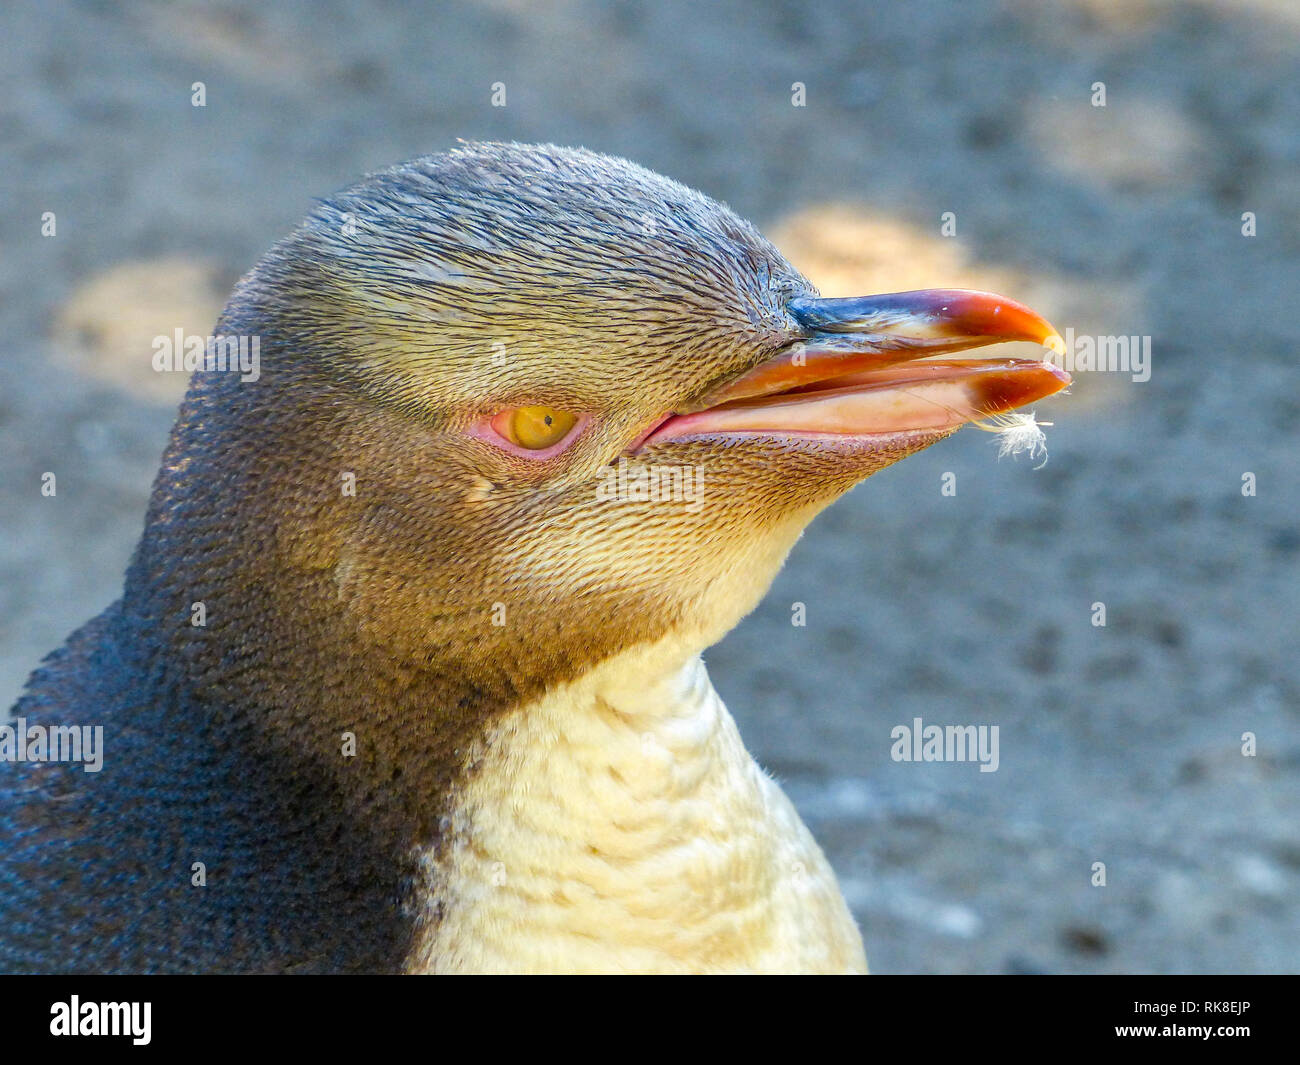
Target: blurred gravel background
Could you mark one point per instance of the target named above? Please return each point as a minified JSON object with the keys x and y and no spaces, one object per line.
{"x":1119,"y":744}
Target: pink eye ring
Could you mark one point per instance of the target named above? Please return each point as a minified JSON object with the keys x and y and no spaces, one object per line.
{"x":534,"y":432}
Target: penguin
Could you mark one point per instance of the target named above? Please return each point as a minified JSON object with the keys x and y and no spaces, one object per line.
{"x":405,"y":675}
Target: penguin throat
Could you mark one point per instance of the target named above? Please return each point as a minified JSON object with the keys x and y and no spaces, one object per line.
{"x":619,"y":824}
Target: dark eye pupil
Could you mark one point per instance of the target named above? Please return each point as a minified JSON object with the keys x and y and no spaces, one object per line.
{"x":548,"y":419}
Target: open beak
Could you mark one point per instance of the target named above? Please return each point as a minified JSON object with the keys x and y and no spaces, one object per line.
{"x":867,"y":369}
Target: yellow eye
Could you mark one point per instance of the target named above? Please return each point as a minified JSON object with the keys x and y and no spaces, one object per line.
{"x":537,"y":428}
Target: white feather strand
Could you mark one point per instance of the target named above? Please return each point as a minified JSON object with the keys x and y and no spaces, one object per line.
{"x":1018,"y":432}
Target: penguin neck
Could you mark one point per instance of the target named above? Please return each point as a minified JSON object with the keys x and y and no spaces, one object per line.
{"x":618,"y":823}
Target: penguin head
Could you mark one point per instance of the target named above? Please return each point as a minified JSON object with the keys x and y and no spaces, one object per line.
{"x":583,"y":406}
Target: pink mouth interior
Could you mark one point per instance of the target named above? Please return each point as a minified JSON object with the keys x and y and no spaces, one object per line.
{"x":914,"y":396}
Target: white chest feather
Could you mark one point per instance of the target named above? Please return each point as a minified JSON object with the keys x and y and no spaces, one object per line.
{"x":619,"y":825}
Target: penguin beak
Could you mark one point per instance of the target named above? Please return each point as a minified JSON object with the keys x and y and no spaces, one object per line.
{"x":867,"y":368}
